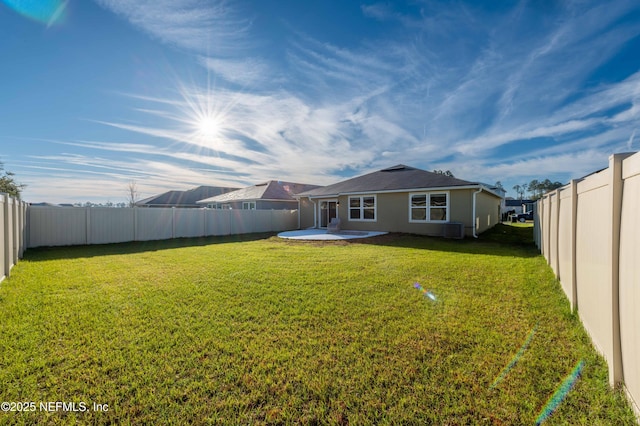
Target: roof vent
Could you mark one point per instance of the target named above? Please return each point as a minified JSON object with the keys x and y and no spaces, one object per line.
{"x":396,"y":168}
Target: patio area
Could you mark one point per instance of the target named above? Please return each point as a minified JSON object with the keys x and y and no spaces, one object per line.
{"x":322,"y":234}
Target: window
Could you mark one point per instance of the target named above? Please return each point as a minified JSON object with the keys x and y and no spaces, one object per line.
{"x":248,"y":205}
{"x":362,"y":208}
{"x":429,"y":207}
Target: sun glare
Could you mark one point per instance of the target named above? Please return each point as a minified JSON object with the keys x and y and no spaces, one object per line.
{"x":208,"y":127}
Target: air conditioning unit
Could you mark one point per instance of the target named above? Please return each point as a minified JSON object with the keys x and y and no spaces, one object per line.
{"x":453,"y":230}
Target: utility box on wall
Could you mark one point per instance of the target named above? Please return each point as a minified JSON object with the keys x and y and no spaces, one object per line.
{"x":453,"y":230}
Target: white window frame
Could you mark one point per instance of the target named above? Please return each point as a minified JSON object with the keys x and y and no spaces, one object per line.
{"x":428,"y":207}
{"x":248,"y":205}
{"x":362,"y":208}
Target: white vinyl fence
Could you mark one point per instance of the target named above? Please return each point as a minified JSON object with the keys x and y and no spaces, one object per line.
{"x":589,"y":232}
{"x":61,"y":226}
{"x":12,"y":232}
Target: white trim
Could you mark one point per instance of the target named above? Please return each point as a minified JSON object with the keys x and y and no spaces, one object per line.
{"x":362,"y":208}
{"x":319,"y":222}
{"x":428,"y":206}
{"x":473,"y":214}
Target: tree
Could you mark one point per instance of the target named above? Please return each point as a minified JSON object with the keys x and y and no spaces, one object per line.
{"x":498,"y":185}
{"x":132,"y":193}
{"x":8,"y":183}
{"x":445,"y":172}
{"x":539,"y":188}
{"x":520,"y":190}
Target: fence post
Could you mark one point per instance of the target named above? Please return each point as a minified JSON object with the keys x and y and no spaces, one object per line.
{"x":3,"y":250}
{"x":87,"y":225}
{"x":173,"y":222}
{"x":135,"y":223}
{"x":554,"y":217}
{"x":573,"y":233}
{"x":615,"y":166}
{"x":7,"y":235}
{"x":15,"y":231}
{"x":21,"y":229}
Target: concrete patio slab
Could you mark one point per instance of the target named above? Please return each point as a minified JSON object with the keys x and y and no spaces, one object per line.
{"x":322,"y":234}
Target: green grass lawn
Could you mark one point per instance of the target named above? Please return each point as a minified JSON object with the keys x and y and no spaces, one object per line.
{"x":259,"y":330}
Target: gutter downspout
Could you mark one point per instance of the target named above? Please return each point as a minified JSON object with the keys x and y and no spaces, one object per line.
{"x":473,"y":218}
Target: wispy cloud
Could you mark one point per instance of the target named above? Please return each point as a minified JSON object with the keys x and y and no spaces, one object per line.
{"x":211,"y":27}
{"x":453,"y":86}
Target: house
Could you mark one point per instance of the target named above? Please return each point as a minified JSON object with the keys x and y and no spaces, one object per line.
{"x":402,"y":199}
{"x":518,"y":206}
{"x":271,"y":195}
{"x":183,"y":198}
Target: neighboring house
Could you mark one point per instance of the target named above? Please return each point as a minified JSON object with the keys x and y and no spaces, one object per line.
{"x":271,"y":195}
{"x":402,"y":199}
{"x":520,"y":206}
{"x":183,"y":198}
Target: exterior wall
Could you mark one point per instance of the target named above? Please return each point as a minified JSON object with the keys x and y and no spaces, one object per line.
{"x":392,"y":213}
{"x":594,"y":230}
{"x":59,"y":226}
{"x":306,"y":213}
{"x":487,"y":211}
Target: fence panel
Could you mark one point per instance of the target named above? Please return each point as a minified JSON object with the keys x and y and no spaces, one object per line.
{"x":554,"y":205}
{"x":546,"y":213}
{"x":3,"y":223}
{"x":12,"y":233}
{"x":189,"y":223}
{"x":57,"y":226}
{"x":154,"y":224}
{"x":566,"y":243}
{"x":218,"y":222}
{"x":109,"y":225}
{"x":593,"y":260}
{"x":598,"y":240}
{"x":630,"y":278}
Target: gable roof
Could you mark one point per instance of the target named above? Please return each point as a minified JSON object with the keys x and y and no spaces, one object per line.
{"x":186,"y":198}
{"x":394,"y":178}
{"x":271,"y":190}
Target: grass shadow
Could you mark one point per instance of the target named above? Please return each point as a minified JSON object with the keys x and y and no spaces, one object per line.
{"x":501,"y":240}
{"x":95,"y":250}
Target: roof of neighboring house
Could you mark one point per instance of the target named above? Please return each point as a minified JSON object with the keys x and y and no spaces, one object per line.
{"x":271,"y":190}
{"x":394,"y":178}
{"x":186,"y":198}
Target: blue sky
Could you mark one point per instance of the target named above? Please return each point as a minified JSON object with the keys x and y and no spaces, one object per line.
{"x":179,"y":93}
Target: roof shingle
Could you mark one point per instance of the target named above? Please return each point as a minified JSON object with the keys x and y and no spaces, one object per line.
{"x":393,"y":178}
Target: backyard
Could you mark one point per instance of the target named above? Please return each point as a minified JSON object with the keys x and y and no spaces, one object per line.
{"x":259,"y":330}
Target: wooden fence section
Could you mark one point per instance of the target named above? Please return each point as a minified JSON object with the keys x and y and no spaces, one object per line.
{"x":60,"y":226}
{"x":12,"y":232}
{"x":589,"y":232}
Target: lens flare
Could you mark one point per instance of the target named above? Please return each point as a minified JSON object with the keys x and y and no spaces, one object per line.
{"x":45,"y":11}
{"x":425,"y":292}
{"x":560,"y":394}
{"x":515,"y":358}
